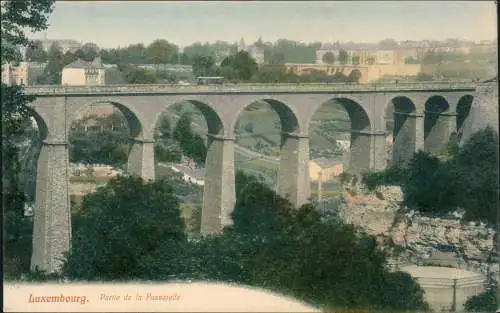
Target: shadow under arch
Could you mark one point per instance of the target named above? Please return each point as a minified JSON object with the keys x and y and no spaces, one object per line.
{"x":360,"y":138}
{"x":464,"y":106}
{"x":288,"y":116}
{"x":404,"y":128}
{"x":30,"y":162}
{"x":214,"y":122}
{"x":437,"y":129}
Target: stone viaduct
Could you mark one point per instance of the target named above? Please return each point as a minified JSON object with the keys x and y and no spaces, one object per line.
{"x":425,"y":115}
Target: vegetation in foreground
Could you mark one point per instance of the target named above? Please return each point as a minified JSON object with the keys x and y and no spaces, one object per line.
{"x":305,"y":253}
{"x":462,"y":178}
{"x":459,"y":178}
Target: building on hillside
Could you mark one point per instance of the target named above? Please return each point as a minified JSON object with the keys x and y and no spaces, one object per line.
{"x":368,"y":72}
{"x":65,"y":44}
{"x":83,"y":73}
{"x":343,"y":144}
{"x":25,"y":73}
{"x":324,"y":170}
{"x":359,"y":54}
{"x":192,"y":175}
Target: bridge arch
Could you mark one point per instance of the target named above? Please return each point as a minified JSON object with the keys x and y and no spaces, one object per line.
{"x":287,"y":114}
{"x":360,"y":132}
{"x":133,"y":118}
{"x":218,"y":183}
{"x":215,"y":124}
{"x":437,"y":124}
{"x":402,"y":111}
{"x":280,"y":147}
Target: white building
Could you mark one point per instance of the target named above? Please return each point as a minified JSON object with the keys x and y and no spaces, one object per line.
{"x":80,"y":73}
{"x":25,"y":73}
{"x":65,"y":44}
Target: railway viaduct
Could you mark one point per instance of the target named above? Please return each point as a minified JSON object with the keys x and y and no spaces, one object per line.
{"x":425,"y":115}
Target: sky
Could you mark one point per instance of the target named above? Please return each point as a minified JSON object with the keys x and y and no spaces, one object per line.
{"x":120,"y":23}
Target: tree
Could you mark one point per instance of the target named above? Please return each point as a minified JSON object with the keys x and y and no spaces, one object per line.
{"x":161,"y":51}
{"x":204,"y":66}
{"x":388,"y":44}
{"x":277,"y":59}
{"x":329,"y":58}
{"x":120,"y":228}
{"x":36,"y":53}
{"x":354,"y":76}
{"x":17,"y":17}
{"x":242,"y":63}
{"x":53,"y":71}
{"x":343,"y":57}
{"x":355,"y":60}
{"x":90,"y":51}
{"x":135,"y":75}
{"x":183,"y":132}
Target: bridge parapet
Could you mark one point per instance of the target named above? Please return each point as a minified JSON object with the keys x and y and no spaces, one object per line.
{"x":245,"y":88}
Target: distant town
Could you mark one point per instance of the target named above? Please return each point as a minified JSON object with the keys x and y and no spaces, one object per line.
{"x":69,"y":62}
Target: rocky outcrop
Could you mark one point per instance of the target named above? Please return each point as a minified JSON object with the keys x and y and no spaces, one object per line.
{"x":410,"y":238}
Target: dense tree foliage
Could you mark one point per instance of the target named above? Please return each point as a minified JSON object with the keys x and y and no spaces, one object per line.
{"x":239,"y":67}
{"x":192,"y":144}
{"x":105,"y":143}
{"x":121,"y":226}
{"x":329,"y":58}
{"x":204,"y":66}
{"x":270,"y":245}
{"x":483,"y":302}
{"x":343,"y":56}
{"x":17,"y":18}
{"x":466,"y":178}
{"x":166,"y":148}
{"x":36,"y":53}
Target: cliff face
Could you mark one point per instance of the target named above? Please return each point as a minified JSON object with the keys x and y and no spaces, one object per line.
{"x":411,"y":238}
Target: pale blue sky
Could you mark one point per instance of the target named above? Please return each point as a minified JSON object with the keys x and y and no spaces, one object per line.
{"x":120,"y":23}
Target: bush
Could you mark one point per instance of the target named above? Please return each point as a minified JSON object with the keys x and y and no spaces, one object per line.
{"x":484,"y":302}
{"x":462,"y":177}
{"x":120,"y":227}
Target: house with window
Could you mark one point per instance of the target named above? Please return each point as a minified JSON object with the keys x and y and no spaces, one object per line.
{"x":82,"y":73}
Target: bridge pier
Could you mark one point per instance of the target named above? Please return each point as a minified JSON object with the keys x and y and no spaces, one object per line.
{"x":293,"y":175}
{"x":408,"y":136}
{"x":52,"y":214}
{"x":368,"y":151}
{"x":141,"y":159}
{"x":219,"y":194}
{"x":438,"y":128}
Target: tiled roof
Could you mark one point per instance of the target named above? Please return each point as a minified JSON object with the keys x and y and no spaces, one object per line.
{"x":79,"y":63}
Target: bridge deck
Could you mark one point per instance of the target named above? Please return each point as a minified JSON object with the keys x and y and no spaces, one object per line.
{"x":248,"y":88}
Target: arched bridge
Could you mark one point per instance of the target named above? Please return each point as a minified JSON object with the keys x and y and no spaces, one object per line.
{"x":425,"y":115}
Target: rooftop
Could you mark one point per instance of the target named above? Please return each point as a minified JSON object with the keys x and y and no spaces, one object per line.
{"x":79,"y":63}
